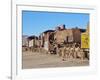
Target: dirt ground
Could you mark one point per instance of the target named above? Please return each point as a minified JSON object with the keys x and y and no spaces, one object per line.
{"x":42,"y":60}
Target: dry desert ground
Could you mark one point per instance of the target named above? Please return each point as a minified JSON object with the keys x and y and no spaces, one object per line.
{"x":42,"y":60}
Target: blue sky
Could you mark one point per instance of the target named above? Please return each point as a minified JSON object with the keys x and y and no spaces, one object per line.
{"x":35,"y":22}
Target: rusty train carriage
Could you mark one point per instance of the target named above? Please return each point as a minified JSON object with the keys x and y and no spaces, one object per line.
{"x":56,"y":40}
{"x":53,"y":41}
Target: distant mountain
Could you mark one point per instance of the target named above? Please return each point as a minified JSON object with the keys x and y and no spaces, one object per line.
{"x":24,"y":35}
